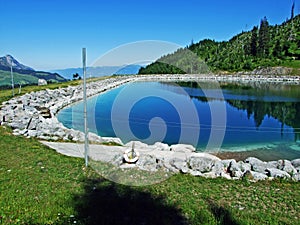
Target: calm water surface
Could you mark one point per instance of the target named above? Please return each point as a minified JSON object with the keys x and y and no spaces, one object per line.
{"x":258,"y":116}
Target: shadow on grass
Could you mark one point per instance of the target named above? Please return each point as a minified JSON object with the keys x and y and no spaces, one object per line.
{"x":222,"y":215}
{"x":105,"y":202}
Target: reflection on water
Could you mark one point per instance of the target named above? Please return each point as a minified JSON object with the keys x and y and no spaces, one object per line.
{"x":262,"y":116}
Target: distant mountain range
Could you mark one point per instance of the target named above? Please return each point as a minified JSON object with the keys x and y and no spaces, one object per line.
{"x":99,"y":71}
{"x":23,"y":75}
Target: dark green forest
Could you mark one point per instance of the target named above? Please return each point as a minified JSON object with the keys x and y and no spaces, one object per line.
{"x":264,"y":46}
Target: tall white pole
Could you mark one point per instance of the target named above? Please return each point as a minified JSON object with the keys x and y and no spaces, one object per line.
{"x":86,"y":140}
{"x":12,"y":78}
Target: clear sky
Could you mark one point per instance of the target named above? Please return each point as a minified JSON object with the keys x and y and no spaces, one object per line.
{"x":49,"y":34}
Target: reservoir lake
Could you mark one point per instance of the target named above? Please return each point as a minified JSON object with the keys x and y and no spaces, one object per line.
{"x":260,"y":117}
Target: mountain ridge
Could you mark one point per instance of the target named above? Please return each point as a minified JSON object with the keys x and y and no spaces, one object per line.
{"x":8,"y":60}
{"x":23,"y":75}
{"x":99,"y":71}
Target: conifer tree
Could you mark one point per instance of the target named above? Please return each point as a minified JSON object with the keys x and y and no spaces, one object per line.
{"x":293,"y":9}
{"x":253,"y":44}
{"x":263,"y":38}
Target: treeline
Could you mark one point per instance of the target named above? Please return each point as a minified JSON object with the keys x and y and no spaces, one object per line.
{"x":263,"y":46}
{"x":286,"y":112}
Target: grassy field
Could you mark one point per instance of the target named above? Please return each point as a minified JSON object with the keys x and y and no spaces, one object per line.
{"x":40,"y":186}
{"x":5,"y":78}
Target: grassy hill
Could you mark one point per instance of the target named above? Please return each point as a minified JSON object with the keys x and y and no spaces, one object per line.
{"x":263,"y":46}
{"x":27,"y":78}
{"x":19,"y":79}
{"x":23,"y":75}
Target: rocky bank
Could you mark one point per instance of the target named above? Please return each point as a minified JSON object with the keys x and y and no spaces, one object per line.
{"x":33,"y":115}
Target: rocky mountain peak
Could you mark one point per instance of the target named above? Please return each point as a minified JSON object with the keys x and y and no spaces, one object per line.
{"x":8,"y":60}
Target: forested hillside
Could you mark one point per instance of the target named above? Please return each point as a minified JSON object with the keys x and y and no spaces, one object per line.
{"x":263,"y":46}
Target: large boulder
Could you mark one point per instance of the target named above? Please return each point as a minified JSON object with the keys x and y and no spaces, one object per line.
{"x":161,"y":146}
{"x":258,"y":176}
{"x":257,"y":165}
{"x":117,"y":160}
{"x":272,"y":164}
{"x":235,"y":170}
{"x":286,"y":166}
{"x":218,"y":168}
{"x":179,"y":164}
{"x":202,"y":162}
{"x":183,"y":148}
{"x":277,"y":173}
{"x":244,"y":166}
{"x":147,"y":162}
{"x":296,"y":177}
{"x":296,"y":162}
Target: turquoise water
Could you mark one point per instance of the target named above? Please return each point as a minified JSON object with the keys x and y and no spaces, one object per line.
{"x":238,"y":118}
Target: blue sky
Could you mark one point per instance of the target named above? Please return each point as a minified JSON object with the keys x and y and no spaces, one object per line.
{"x":49,"y":34}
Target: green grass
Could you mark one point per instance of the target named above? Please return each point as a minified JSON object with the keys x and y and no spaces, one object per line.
{"x":5,"y":78}
{"x":40,"y":186}
{"x":292,"y":64}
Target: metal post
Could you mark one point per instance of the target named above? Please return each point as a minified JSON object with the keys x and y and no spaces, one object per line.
{"x":12,"y":79}
{"x":86,"y":140}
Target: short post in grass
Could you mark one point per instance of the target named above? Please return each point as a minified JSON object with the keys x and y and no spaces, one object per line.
{"x":131,"y":155}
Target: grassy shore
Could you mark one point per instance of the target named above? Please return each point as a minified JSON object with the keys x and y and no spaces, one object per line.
{"x":40,"y":186}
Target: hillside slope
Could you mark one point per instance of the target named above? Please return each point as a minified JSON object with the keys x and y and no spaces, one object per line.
{"x":263,"y":46}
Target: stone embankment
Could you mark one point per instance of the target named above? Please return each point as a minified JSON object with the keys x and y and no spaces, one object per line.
{"x":182,"y":158}
{"x":33,"y":115}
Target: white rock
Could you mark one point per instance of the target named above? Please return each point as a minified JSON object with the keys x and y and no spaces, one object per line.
{"x":226,"y":175}
{"x":209,"y":175}
{"x":195,"y":173}
{"x":296,"y":162}
{"x":161,"y":146}
{"x":296,"y":177}
{"x":111,"y":140}
{"x":182,"y":148}
{"x":202,"y":162}
{"x":258,"y":176}
{"x":272,"y":172}
{"x":286,"y":166}
{"x":179,"y":164}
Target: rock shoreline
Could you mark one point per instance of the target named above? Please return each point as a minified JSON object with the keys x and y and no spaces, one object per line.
{"x":33,"y":114}
{"x":181,"y":158}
